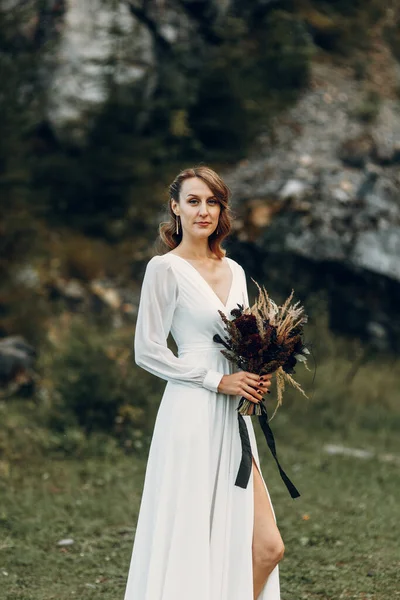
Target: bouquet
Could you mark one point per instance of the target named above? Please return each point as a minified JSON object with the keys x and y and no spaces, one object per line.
{"x":264,"y":338}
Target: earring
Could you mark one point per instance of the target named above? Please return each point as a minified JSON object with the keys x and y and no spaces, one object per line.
{"x":217,"y":230}
{"x":177,"y":224}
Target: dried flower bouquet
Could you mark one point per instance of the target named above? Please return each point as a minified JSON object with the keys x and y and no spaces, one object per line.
{"x":264,"y":338}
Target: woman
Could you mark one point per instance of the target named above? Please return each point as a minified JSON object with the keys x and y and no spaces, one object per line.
{"x":198,"y":536}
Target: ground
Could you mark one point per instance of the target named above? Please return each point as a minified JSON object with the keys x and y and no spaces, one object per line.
{"x":341,"y":535}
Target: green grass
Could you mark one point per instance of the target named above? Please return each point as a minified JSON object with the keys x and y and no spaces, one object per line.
{"x":340,"y":535}
{"x":94,"y":502}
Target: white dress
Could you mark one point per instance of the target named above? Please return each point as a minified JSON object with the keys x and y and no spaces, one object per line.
{"x":194,"y":532}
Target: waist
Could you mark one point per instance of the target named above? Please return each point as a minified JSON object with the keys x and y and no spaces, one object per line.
{"x":199,"y":347}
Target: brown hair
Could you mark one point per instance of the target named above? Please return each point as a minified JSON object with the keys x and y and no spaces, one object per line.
{"x":169,"y":239}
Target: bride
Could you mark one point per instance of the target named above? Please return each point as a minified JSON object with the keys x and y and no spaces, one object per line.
{"x":198,"y":535}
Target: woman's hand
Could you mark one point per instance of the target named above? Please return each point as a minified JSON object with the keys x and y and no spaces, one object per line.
{"x":249,"y":385}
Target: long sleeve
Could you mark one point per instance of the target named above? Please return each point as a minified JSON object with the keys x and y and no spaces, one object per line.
{"x":157,"y":304}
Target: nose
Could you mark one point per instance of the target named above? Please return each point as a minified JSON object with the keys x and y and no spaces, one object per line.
{"x":203,"y":209}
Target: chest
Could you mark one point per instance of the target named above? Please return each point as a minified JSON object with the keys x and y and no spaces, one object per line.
{"x":216,"y":286}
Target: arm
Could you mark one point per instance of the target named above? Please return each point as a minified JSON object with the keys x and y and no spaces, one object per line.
{"x":157,"y":304}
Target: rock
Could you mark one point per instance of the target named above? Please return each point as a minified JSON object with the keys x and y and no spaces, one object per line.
{"x":306,"y":160}
{"x":66,"y":542}
{"x":376,"y":330}
{"x":379,"y":251}
{"x":355,"y":452}
{"x":28,"y":276}
{"x":108,"y":295}
{"x":341,"y":196}
{"x":17,"y":358}
{"x":337,"y":449}
{"x":128,"y":309}
{"x":382,"y":200}
{"x":293,"y":189}
{"x":355,"y":152}
{"x":87,"y":45}
{"x":261,"y":212}
{"x":337,"y":183}
{"x":71,"y":290}
{"x":306,"y":244}
{"x":386,"y":135}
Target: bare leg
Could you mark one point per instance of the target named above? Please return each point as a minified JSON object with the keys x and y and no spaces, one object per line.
{"x":267,"y":547}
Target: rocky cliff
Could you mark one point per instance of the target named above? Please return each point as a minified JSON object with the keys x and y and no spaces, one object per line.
{"x":114,"y":96}
{"x":321,"y":200}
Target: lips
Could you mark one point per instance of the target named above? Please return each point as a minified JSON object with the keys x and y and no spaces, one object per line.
{"x":203,"y":223}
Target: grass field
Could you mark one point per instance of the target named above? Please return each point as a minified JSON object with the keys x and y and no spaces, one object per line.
{"x":341,"y":535}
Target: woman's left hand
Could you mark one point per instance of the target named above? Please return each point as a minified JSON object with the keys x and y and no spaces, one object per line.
{"x":265,"y":383}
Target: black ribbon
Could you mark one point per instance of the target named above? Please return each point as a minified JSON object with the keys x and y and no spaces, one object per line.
{"x":245,"y":466}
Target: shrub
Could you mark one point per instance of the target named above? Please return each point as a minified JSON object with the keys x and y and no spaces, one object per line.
{"x":83,"y":258}
{"x":96,"y":386}
{"x":256,"y":71}
{"x":341,"y":26}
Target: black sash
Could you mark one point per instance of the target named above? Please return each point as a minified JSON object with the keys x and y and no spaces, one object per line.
{"x":244,"y":471}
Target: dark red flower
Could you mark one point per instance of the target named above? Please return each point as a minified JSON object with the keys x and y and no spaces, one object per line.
{"x":251,"y":346}
{"x":289,"y":365}
{"x":246,"y":324}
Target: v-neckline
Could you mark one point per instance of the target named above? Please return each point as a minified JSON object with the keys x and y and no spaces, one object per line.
{"x":206,"y":282}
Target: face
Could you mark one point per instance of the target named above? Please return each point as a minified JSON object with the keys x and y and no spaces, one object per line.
{"x":198,"y":208}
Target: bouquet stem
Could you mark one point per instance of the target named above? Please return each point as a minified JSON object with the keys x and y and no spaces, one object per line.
{"x":246,"y":407}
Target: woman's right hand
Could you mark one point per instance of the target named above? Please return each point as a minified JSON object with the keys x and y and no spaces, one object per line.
{"x":246,"y":384}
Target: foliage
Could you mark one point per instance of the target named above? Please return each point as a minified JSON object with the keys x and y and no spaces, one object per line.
{"x":22,"y":66}
{"x":352,"y":387}
{"x":80,"y":257}
{"x":94,"y":387}
{"x":24,"y":311}
{"x":18,"y":241}
{"x":254,"y":70}
{"x":17,"y":68}
{"x":90,"y":185}
{"x":90,"y":391}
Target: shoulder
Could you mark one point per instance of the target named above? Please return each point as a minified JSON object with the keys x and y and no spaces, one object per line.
{"x":156,"y":260}
{"x":235,"y":264}
{"x":159,"y":265}
{"x":159,"y":260}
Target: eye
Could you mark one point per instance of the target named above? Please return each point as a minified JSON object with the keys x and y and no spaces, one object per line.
{"x":211,"y":200}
